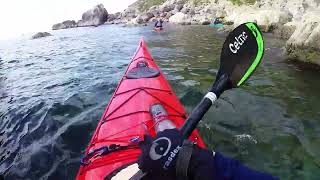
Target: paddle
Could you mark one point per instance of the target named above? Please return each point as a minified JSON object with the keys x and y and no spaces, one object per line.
{"x":241,"y":54}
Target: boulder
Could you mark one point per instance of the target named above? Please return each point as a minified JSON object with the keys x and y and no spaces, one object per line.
{"x":40,"y":35}
{"x":203,"y":19}
{"x":178,"y":7}
{"x":166,"y":8}
{"x":180,"y":18}
{"x":185,"y":10}
{"x":163,"y":15}
{"x":221,"y":13}
{"x":109,"y":22}
{"x":147,"y":16}
{"x":94,"y":17}
{"x":111,"y":17}
{"x":169,"y":5}
{"x":154,"y":19}
{"x":175,"y":11}
{"x":297,"y":8}
{"x":137,"y":20}
{"x":65,"y":25}
{"x":155,"y":11}
{"x":304,"y":44}
{"x":264,"y":18}
{"x":118,"y":15}
{"x":192,"y":11}
{"x":284,"y":31}
{"x":169,"y":14}
{"x":209,"y":9}
{"x":129,"y":13}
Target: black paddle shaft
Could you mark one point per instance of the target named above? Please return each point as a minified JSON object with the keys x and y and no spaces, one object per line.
{"x":192,"y":121}
{"x":220,"y":85}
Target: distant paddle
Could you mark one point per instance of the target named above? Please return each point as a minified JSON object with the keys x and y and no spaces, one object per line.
{"x":241,"y":54}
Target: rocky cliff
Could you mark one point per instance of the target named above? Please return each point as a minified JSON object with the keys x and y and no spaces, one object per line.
{"x":297,"y":21}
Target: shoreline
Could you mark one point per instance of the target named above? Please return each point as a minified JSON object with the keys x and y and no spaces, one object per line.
{"x":297,"y":23}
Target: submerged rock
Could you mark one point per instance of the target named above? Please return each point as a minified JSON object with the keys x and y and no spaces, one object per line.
{"x":94,"y":17}
{"x":65,"y":25}
{"x":40,"y":35}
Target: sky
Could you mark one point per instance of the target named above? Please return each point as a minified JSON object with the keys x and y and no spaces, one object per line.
{"x":19,"y":17}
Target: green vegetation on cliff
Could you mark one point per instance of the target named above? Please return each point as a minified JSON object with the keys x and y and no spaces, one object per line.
{"x":144,"y":5}
{"x":239,"y":2}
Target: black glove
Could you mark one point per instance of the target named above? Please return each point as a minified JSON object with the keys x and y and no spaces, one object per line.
{"x":159,"y":158}
{"x":159,"y":154}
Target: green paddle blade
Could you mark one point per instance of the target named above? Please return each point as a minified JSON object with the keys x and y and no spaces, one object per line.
{"x":241,"y":53}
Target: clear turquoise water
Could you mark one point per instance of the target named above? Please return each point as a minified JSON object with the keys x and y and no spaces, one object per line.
{"x":54,"y":90}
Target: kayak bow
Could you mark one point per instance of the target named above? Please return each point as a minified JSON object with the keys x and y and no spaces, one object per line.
{"x":158,"y":29}
{"x":127,"y":118}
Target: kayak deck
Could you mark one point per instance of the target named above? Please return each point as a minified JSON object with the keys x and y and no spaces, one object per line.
{"x":127,"y":116}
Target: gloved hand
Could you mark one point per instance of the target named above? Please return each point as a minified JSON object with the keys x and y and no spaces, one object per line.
{"x":159,"y":154}
{"x":159,"y":158}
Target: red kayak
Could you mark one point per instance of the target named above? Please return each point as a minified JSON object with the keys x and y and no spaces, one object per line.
{"x":127,"y":118}
{"x":158,"y":29}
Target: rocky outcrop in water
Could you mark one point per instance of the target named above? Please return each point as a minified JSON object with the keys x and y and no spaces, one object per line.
{"x":40,"y":35}
{"x":65,"y":25}
{"x":93,"y":17}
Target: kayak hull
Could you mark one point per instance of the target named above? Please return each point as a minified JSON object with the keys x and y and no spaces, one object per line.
{"x":127,"y":117}
{"x":158,"y":29}
{"x":216,"y":25}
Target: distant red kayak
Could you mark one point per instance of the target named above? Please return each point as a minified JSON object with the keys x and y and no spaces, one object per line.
{"x":127,"y":118}
{"x":158,"y":29}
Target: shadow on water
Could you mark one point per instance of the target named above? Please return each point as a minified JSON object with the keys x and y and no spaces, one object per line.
{"x":54,"y":90}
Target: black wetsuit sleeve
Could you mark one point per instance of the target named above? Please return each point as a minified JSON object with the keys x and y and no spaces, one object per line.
{"x":220,"y":167}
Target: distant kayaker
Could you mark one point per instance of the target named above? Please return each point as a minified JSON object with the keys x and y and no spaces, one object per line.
{"x":217,"y":21}
{"x":169,"y":156}
{"x":158,"y":23}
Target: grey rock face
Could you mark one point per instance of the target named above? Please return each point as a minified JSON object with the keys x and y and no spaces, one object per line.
{"x":129,"y":13}
{"x":304,"y":43}
{"x":111,"y":17}
{"x":180,"y":18}
{"x":167,"y":8}
{"x":65,"y":25}
{"x":40,"y":35}
{"x":147,"y":16}
{"x":283,"y":31}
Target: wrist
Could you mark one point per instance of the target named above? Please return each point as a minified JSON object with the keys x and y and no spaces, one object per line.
{"x":201,"y":160}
